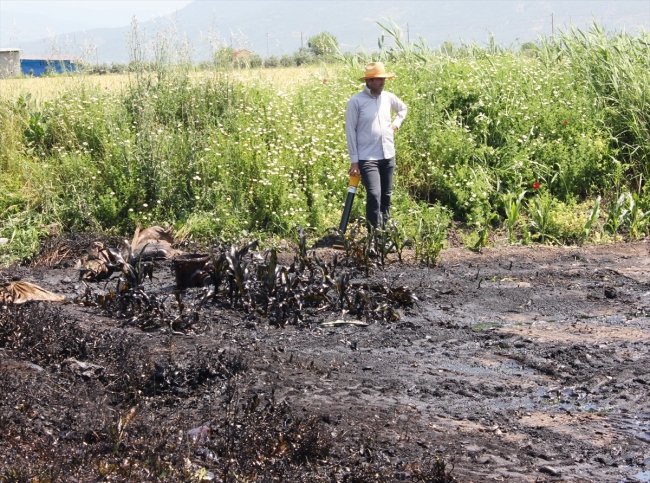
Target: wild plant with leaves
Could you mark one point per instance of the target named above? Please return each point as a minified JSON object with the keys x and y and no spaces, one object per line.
{"x":638,"y":216}
{"x":540,"y":211}
{"x":430,"y":239}
{"x":591,"y":222}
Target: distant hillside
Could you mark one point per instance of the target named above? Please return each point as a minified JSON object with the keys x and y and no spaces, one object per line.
{"x":274,"y":27}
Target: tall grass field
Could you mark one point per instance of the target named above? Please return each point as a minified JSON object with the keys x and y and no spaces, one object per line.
{"x":547,"y":144}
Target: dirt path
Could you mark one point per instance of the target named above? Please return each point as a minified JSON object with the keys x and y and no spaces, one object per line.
{"x":518,"y":365}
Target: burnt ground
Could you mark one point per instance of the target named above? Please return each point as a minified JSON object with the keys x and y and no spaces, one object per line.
{"x":524,"y":364}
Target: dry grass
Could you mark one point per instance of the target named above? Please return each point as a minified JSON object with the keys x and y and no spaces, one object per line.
{"x":47,"y":88}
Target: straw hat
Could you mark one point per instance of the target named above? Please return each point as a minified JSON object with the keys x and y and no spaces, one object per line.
{"x":376,"y":70}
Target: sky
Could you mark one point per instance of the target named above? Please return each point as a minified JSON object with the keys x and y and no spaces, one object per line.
{"x":62,"y":16}
{"x":277,"y":27}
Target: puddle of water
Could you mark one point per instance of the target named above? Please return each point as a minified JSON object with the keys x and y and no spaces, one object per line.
{"x":471,"y":368}
{"x":466,"y":363}
{"x":566,"y":399}
{"x":643,"y":477}
{"x":584,"y":407}
{"x":511,"y":367}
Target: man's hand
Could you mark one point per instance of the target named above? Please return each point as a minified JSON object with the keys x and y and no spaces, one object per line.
{"x":394,"y":127}
{"x":354,"y":170}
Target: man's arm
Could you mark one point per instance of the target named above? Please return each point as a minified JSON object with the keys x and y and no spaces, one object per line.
{"x":351,"y":120}
{"x":400,"y":108}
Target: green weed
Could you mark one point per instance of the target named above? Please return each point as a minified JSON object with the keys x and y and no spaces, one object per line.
{"x":431,"y":235}
{"x":486,"y":326}
{"x":637,"y":219}
{"x":616,"y":215}
{"x":512,"y":208}
{"x":589,"y":225}
{"x":540,"y":210}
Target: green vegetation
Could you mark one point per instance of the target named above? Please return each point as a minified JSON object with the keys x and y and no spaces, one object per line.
{"x":486,"y":326}
{"x":527,"y":140}
{"x":323,"y":44}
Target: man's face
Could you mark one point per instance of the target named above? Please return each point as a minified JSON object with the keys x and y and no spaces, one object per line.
{"x":376,"y":85}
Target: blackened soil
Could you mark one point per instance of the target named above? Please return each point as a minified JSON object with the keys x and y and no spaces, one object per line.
{"x":518,"y":365}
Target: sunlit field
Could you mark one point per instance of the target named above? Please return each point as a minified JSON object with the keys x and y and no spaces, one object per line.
{"x":545,"y":146}
{"x":49,"y":87}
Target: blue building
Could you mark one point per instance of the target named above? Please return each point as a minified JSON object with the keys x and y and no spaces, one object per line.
{"x":38,"y":66}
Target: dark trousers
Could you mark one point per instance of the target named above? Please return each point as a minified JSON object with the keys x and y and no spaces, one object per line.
{"x":377,"y":178}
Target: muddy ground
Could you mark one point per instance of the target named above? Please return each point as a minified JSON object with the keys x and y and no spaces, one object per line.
{"x":526,"y":364}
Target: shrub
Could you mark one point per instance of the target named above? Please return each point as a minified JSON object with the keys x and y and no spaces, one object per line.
{"x":287,"y":61}
{"x":323,"y":44}
{"x":272,"y":61}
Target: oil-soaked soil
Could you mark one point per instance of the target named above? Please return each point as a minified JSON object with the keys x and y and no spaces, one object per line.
{"x":518,"y":364}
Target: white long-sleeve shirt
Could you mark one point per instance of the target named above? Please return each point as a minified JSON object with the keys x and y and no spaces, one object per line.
{"x":367,"y":125}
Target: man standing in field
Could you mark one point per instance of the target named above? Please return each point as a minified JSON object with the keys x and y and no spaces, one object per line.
{"x":369,"y":132}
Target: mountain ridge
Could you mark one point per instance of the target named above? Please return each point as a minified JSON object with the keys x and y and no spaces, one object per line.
{"x":274,"y":27}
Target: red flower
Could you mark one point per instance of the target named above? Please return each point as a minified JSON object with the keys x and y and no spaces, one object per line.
{"x":536,"y":186}
{"x":566,"y":122}
{"x":324,"y":81}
